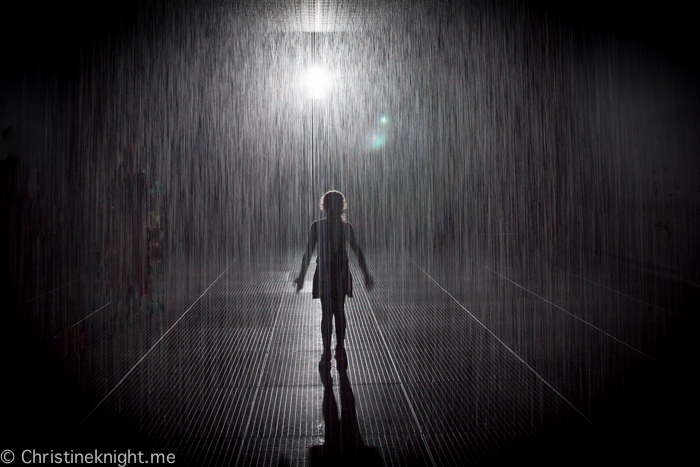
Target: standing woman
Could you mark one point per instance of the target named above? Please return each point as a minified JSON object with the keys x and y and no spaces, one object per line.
{"x":332,"y":279}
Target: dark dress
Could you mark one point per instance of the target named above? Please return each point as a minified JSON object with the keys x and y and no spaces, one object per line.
{"x":332,"y":276}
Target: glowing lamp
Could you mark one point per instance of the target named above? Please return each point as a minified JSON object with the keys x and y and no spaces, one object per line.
{"x":317,"y":82}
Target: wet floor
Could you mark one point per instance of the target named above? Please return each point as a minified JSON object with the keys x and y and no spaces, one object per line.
{"x":446,"y":366}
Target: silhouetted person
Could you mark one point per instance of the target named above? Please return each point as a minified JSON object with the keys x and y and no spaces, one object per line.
{"x":332,"y":280}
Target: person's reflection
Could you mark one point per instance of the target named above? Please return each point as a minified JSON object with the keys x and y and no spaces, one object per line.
{"x":343,"y":444}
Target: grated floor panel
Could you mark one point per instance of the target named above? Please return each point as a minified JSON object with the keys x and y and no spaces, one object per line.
{"x":446,"y":367}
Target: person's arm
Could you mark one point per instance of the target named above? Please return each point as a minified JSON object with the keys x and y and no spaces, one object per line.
{"x":310,"y":245}
{"x":369,"y":282}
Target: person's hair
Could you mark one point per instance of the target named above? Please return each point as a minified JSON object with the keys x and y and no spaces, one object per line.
{"x":333,"y":201}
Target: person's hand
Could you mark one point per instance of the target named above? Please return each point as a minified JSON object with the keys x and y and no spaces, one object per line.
{"x":299,"y":281}
{"x":369,"y":283}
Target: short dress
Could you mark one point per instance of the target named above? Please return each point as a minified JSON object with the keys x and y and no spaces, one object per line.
{"x":332,"y":276}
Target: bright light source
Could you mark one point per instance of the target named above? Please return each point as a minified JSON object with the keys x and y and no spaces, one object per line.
{"x":317,"y":82}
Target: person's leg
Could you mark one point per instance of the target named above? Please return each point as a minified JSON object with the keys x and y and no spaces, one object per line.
{"x":340,"y":326}
{"x":339,"y":315}
{"x":324,"y":366}
{"x":326,"y":324}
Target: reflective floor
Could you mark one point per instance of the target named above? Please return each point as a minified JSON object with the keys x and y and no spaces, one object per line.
{"x":451,"y":361}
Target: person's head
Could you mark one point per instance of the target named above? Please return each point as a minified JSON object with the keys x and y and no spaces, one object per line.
{"x":333,"y":202}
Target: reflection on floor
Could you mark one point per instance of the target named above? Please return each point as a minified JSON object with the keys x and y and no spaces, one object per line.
{"x":450,"y":363}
